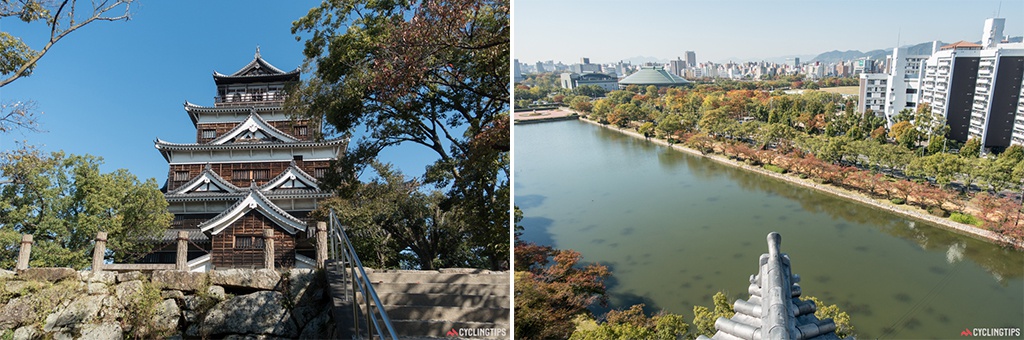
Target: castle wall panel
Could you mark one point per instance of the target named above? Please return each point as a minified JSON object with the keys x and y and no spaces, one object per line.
{"x":226,"y":170}
{"x":225,"y":255}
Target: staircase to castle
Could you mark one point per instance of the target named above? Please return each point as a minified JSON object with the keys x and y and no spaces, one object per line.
{"x":446,"y":303}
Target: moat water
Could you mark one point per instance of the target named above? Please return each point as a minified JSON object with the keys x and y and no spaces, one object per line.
{"x":676,"y":228}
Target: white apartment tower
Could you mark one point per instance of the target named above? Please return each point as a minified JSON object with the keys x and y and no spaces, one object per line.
{"x":978,"y":88}
{"x":872,"y":92}
{"x":904,"y":81}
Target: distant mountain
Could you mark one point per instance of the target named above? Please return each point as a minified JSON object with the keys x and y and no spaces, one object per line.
{"x":922,"y":48}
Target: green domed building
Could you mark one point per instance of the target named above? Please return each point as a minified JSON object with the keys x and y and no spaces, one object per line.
{"x":653,"y":75}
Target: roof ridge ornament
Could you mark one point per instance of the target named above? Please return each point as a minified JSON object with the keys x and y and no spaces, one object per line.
{"x":257,"y":50}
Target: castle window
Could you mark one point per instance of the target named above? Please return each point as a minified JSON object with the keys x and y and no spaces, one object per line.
{"x":181,"y":175}
{"x":248,"y":242}
{"x":300,"y":130}
{"x":256,"y":174}
{"x":319,"y":172}
{"x":209,"y":133}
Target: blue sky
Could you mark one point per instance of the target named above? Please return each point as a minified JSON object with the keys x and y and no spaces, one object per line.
{"x":111,"y":88}
{"x":720,"y":30}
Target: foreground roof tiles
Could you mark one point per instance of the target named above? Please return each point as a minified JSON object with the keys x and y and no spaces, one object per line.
{"x":774,"y":309}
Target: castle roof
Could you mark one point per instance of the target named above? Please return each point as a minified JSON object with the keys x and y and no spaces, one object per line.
{"x":257,"y":70}
{"x":254,"y":200}
{"x":774,"y":309}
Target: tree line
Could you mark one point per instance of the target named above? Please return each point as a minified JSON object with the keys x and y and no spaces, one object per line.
{"x":821,"y":135}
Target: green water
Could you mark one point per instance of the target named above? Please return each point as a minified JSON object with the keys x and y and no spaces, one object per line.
{"x":676,"y":228}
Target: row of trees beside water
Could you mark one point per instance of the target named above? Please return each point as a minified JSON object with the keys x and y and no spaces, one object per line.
{"x":819,"y":135}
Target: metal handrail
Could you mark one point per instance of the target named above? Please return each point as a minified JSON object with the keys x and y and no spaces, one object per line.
{"x":360,"y":283}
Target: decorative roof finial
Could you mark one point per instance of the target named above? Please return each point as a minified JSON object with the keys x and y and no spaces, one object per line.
{"x":257,"y":51}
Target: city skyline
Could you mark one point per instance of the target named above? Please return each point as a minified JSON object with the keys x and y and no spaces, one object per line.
{"x":765,"y":30}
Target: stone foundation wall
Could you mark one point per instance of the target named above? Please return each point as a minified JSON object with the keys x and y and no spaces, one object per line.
{"x":61,"y":303}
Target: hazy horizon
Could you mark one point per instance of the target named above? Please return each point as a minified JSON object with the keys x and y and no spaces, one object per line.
{"x":741,"y":30}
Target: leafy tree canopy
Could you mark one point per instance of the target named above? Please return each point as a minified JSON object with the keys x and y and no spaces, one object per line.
{"x":432,"y":73}
{"x":64,"y":200}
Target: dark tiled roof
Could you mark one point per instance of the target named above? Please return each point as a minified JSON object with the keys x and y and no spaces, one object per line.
{"x":774,"y":309}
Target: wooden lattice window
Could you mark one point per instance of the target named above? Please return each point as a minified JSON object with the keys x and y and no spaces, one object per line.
{"x":209,"y":133}
{"x":253,"y":174}
{"x":319,"y":172}
{"x":248,"y":242}
{"x":181,"y":175}
{"x":301,"y":130}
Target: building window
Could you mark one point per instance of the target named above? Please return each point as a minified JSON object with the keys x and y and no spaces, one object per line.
{"x":248,"y":242}
{"x":181,"y":175}
{"x":209,"y":133}
{"x":256,"y":174}
{"x":319,"y":172}
{"x":300,"y":130}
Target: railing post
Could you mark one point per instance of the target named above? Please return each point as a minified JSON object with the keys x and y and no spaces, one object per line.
{"x":321,"y":244}
{"x":99,"y":251}
{"x":25,"y":252}
{"x":268,"y":248}
{"x":181,"y":262}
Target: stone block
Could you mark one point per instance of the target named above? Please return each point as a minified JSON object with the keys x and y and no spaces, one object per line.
{"x":172,"y":294}
{"x":89,"y":276}
{"x":249,"y":279}
{"x":103,"y":331}
{"x":47,"y":274}
{"x":130,"y":276}
{"x":257,"y":313}
{"x":179,"y":280}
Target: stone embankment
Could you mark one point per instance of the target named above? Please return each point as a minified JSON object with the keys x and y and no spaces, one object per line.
{"x":61,"y":303}
{"x":904,"y":210}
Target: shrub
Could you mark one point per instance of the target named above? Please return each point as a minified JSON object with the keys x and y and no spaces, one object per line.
{"x":898,"y":201}
{"x":774,"y":168}
{"x":802,"y":176}
{"x":936,"y":211}
{"x":965,"y":219}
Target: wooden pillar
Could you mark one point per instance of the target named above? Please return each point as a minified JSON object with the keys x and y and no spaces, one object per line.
{"x":98,"y":251}
{"x":268,"y":248}
{"x":321,"y":244}
{"x":181,"y":262}
{"x":25,"y":252}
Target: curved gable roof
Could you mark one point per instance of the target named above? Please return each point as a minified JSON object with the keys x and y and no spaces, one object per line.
{"x":254,"y":200}
{"x":253,"y":124}
{"x":208,"y":181}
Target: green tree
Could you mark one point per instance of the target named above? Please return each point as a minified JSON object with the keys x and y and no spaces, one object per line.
{"x":64,"y":200}
{"x":844,"y":328}
{"x":391,"y":214}
{"x":631,"y":324}
{"x":704,"y":319}
{"x":592,"y":91}
{"x":972,"y":148}
{"x":419,"y":72}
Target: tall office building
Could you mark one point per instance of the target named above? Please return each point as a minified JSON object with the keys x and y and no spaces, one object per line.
{"x":677,"y":66}
{"x":691,"y":59}
{"x":978,"y":88}
{"x":517,"y":72}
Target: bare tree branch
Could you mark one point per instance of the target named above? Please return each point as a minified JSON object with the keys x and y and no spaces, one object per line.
{"x":19,"y":115}
{"x":56,"y":34}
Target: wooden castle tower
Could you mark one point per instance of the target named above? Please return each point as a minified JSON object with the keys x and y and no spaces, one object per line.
{"x":251,"y":168}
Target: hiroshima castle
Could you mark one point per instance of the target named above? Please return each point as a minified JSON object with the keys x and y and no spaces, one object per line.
{"x":251,"y":168}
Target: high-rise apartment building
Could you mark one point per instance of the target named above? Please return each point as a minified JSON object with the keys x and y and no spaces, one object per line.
{"x":903,"y":81}
{"x":872,"y":92}
{"x":517,"y":72}
{"x":978,"y":88}
{"x":677,"y":66}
